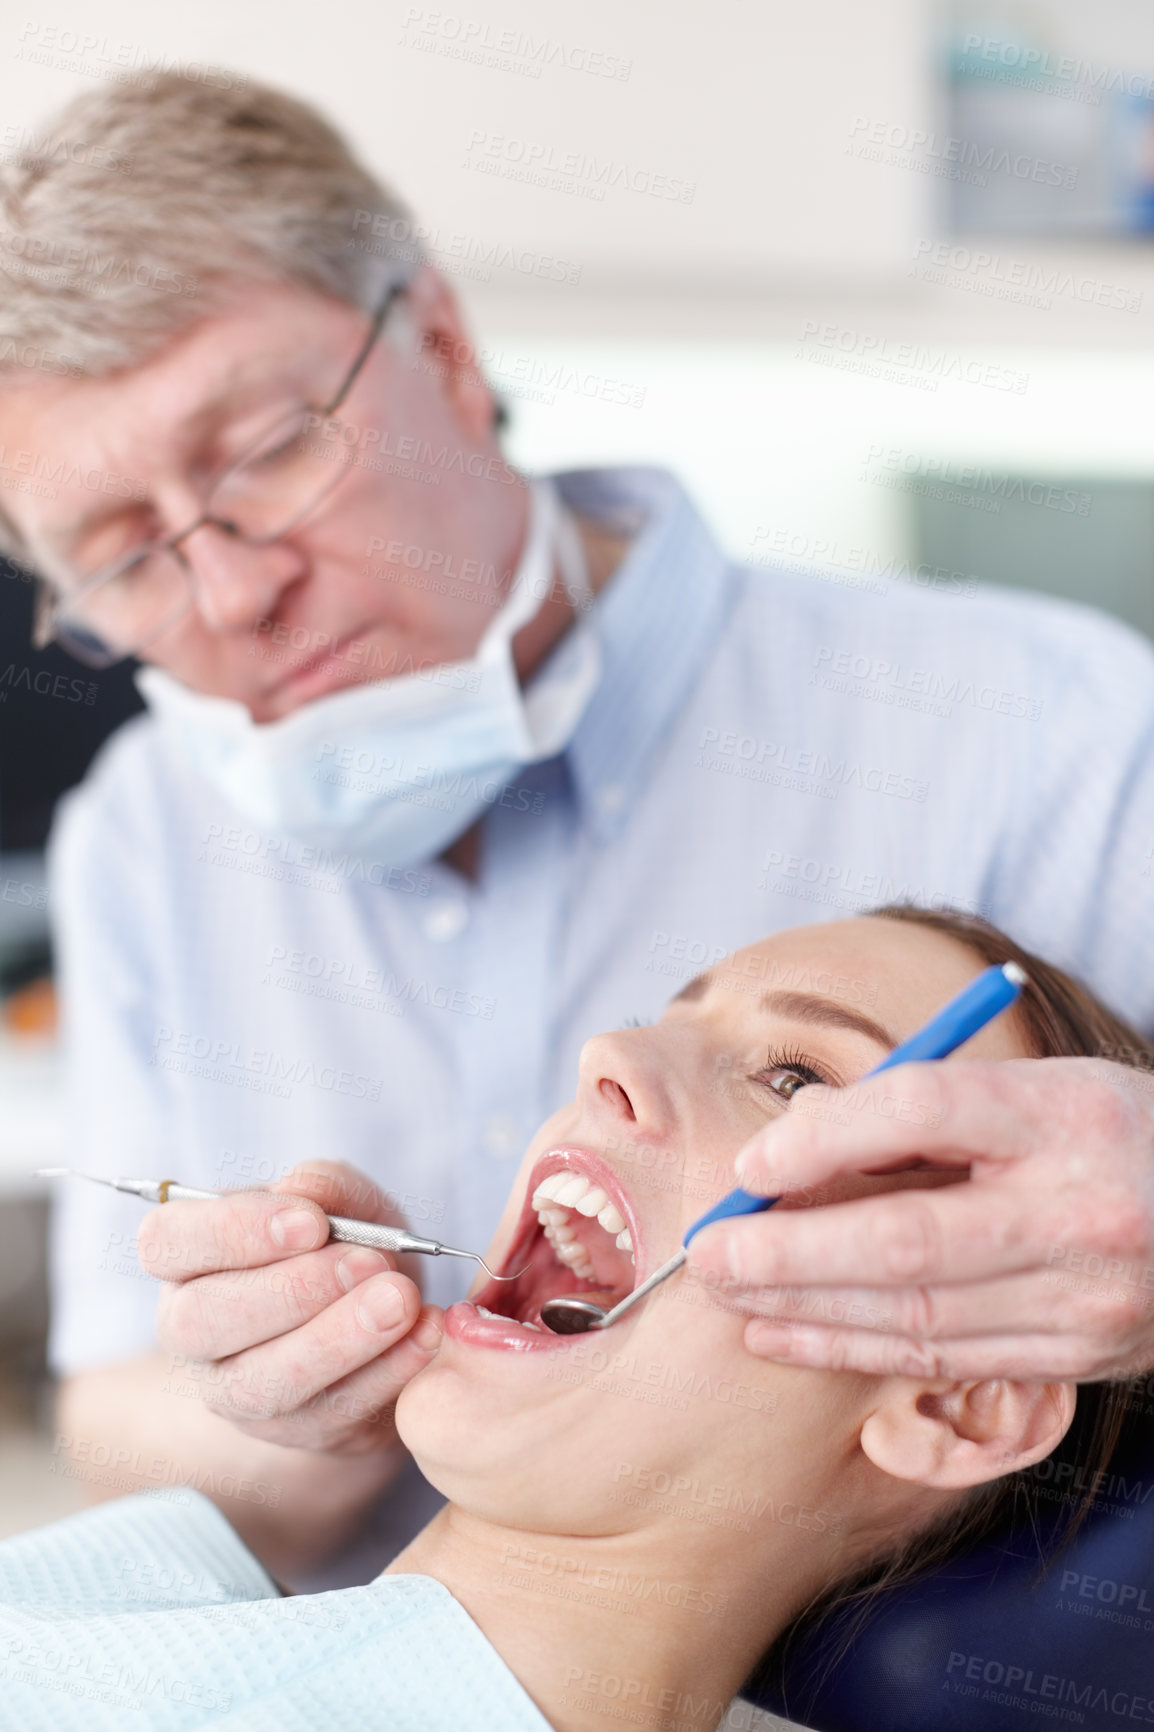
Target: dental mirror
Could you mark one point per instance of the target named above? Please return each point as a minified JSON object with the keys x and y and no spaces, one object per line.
{"x":570,"y":1314}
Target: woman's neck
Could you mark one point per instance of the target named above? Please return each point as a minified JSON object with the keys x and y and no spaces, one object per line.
{"x":668,"y":1620}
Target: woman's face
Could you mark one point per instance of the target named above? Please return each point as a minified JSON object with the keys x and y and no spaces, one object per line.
{"x":557,"y":1433}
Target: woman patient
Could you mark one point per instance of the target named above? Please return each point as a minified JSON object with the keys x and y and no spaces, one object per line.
{"x":634,"y":1516}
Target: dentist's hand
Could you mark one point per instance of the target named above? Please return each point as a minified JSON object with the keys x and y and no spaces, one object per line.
{"x":1039,"y":1265}
{"x":296,"y":1339}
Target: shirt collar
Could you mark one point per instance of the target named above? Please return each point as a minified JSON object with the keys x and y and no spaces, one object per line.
{"x":656,"y":620}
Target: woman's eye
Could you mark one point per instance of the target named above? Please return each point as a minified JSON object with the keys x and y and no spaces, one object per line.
{"x":783,"y":1082}
{"x":784,"y":1077}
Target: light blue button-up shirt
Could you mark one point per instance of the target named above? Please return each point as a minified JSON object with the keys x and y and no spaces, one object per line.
{"x":764,"y":748}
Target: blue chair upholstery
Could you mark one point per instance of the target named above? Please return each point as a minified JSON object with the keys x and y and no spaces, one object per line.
{"x":985,"y":1645}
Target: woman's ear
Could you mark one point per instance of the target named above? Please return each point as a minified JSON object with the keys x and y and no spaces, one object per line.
{"x":953,"y":1435}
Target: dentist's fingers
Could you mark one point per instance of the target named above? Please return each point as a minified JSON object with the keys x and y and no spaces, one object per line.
{"x":242,"y":1230}
{"x":356,"y":1415}
{"x":250,"y":1229}
{"x":1089,"y":1325}
{"x":367,"y":1347}
{"x":951,"y":1113}
{"x":989,"y":1116}
{"x":1031,"y":1358}
{"x":1053,"y":1221}
{"x":896,"y":1239}
{"x":215,"y":1316}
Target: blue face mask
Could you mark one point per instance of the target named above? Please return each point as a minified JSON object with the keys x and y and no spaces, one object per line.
{"x":401,"y":767}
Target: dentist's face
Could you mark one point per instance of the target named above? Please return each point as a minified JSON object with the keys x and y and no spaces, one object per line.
{"x":400,"y":569}
{"x":531,"y":1428}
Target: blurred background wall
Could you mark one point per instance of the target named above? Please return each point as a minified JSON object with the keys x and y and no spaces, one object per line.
{"x":877,"y":280}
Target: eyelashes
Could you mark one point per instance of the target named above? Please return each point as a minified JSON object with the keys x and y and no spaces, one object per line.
{"x":793,"y":1066}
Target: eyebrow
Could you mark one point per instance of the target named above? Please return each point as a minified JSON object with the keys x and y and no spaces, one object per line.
{"x":825,"y":1013}
{"x":697,"y":988}
{"x":800,"y":1007}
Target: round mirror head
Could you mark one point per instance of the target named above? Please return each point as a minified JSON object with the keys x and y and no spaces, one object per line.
{"x":570,"y":1315}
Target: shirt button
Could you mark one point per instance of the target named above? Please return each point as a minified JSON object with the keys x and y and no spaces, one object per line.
{"x":500,"y":1135}
{"x":612,"y":797}
{"x":445,"y":920}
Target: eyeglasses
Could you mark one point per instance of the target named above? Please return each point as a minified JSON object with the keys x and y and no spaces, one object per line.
{"x":280,"y":479}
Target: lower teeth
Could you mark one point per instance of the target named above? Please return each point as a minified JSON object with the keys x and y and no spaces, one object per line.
{"x":496,"y":1316}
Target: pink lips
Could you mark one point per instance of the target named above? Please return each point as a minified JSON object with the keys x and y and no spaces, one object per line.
{"x":464,"y":1323}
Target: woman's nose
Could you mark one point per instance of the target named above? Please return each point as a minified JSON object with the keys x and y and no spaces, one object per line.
{"x":618,"y":1074}
{"x":237,"y":584}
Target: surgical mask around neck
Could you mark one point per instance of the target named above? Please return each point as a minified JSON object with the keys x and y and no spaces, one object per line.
{"x":401,"y":767}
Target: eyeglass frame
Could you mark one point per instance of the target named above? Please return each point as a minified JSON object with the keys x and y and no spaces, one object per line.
{"x":50,"y":605}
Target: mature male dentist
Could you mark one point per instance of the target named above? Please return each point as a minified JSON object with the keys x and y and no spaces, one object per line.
{"x":445,"y":770}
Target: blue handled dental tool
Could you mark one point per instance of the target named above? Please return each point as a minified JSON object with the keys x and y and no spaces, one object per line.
{"x":371,"y":1233}
{"x":992,"y":992}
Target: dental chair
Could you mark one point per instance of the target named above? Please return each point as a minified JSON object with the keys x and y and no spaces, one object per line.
{"x":1015,"y":1634}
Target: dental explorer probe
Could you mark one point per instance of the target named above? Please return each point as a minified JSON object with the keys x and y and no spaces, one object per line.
{"x":980,"y":1002}
{"x":370,"y":1233}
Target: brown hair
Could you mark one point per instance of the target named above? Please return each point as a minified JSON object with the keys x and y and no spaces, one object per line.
{"x":1059,"y":1018}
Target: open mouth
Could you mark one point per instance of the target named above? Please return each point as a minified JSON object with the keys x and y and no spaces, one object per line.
{"x":577,"y":1234}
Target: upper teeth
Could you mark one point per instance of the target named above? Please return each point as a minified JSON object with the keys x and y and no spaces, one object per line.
{"x":555,"y":1198}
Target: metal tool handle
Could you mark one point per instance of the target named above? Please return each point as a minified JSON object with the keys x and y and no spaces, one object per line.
{"x":342,"y":1227}
{"x":379,"y":1238}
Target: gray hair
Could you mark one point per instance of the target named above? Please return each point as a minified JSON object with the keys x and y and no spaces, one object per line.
{"x":147,"y":202}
